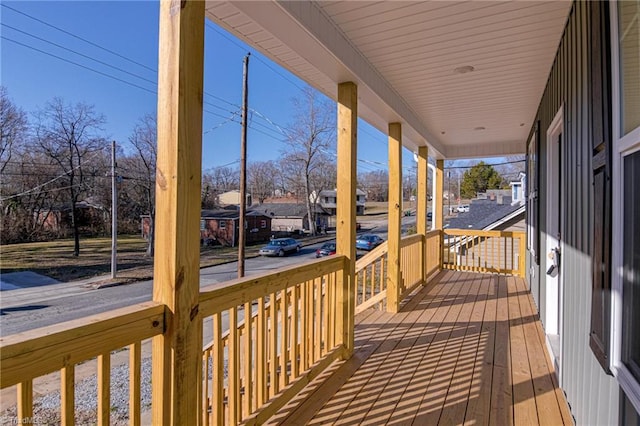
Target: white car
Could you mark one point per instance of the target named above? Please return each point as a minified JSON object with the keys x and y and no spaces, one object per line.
{"x":463,"y":208}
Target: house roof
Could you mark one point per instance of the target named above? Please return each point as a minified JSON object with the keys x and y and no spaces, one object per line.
{"x":484,"y":214}
{"x":229,"y":214}
{"x":287,"y":209}
{"x":334,"y":192}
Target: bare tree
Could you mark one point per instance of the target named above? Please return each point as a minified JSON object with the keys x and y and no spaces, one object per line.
{"x":216,"y":181}
{"x":69,"y":135}
{"x":13,"y":127}
{"x":143,"y":169}
{"x":310,"y":138}
{"x":375,"y":184}
{"x":262,"y":179}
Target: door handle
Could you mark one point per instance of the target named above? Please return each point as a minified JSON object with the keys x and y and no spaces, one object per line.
{"x":554,"y":255}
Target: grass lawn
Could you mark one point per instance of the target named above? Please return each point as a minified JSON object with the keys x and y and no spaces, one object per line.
{"x":55,"y":258}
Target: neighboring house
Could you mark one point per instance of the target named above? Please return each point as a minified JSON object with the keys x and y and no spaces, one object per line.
{"x":232,"y":198}
{"x":288,"y":217}
{"x":327,"y":199}
{"x":497,"y":213}
{"x":518,"y":189}
{"x":92,"y":219}
{"x":221,"y":227}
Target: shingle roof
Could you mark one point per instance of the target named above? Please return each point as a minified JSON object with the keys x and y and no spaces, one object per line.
{"x":286,"y":209}
{"x":230,"y":214}
{"x":483,"y":213}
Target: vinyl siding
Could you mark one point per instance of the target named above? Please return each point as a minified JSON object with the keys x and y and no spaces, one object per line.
{"x":592,"y":395}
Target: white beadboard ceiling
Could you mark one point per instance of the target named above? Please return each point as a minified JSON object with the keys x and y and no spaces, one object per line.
{"x":403,"y":56}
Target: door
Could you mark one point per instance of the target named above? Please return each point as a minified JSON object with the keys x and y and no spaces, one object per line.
{"x":552,"y":254}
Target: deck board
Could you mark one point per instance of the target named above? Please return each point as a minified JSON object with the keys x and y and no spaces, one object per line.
{"x":467,"y":349}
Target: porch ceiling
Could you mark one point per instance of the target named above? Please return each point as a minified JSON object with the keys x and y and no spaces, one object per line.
{"x":404,"y":57}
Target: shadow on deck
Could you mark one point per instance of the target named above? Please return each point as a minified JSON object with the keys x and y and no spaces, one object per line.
{"x":466,"y":349}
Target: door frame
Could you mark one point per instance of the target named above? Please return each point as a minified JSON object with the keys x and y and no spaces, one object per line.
{"x":554,"y":287}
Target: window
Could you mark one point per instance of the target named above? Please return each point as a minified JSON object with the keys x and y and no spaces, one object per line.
{"x":630,"y":355}
{"x":222,"y":224}
{"x":202,"y":225}
{"x":625,"y":23}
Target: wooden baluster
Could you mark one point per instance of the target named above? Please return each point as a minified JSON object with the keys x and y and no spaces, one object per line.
{"x":284,"y":337}
{"x":295,"y":332}
{"x":274,"y":386}
{"x":25,"y":402}
{"x":67,"y":395}
{"x":317,"y":319}
{"x":248,"y":360}
{"x":218,"y":372}
{"x":325,"y":316}
{"x":135,"y":358}
{"x":261,"y":356}
{"x":205,"y":388}
{"x":304,"y":325}
{"x":331,"y":308}
{"x":234,"y":367}
{"x":104,"y":388}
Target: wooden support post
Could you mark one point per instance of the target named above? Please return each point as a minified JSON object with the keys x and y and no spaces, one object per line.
{"x":438,"y":212}
{"x":421,"y":208}
{"x":177,"y":354}
{"x":394,"y":274}
{"x":346,"y":213}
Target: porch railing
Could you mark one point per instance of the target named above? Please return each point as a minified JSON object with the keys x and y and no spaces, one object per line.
{"x":411,"y":263}
{"x":272,"y":334}
{"x":499,"y":252}
{"x":59,"y":348}
{"x":371,"y":279}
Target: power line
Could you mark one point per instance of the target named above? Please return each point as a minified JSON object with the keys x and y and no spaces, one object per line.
{"x":485,"y":164}
{"x":79,"y":65}
{"x":78,"y":37}
{"x":79,"y":54}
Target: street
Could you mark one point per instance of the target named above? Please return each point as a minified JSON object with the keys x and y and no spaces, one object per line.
{"x":26,"y":309}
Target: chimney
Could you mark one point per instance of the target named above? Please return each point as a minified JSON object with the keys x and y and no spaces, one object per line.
{"x":499,"y":201}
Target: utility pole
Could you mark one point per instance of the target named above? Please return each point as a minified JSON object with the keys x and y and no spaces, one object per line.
{"x":114,"y":212}
{"x":449,"y":189}
{"x":243,"y":168}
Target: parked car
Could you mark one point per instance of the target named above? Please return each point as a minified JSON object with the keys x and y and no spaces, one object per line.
{"x":463,"y":208}
{"x":327,"y":249}
{"x":429,"y":216}
{"x":280,"y":247}
{"x":368,"y":241}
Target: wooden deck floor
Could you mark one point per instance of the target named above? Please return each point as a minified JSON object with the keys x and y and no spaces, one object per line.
{"x":467,"y":349}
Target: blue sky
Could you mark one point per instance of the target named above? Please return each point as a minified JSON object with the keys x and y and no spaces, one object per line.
{"x":129,"y":31}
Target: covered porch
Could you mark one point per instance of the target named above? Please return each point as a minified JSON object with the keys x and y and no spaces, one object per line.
{"x":465,"y":349}
{"x":411,"y":332}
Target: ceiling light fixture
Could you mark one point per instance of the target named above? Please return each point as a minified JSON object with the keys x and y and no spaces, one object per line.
{"x":464,"y":69}
{"x":480,"y":128}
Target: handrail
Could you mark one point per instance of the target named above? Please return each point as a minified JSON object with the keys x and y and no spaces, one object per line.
{"x":374,"y":254}
{"x":410,"y":239}
{"x":216,"y":298}
{"x":25,"y":356}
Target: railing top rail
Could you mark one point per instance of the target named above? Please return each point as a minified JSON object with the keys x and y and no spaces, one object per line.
{"x":216,"y":298}
{"x":433,"y":233}
{"x":410,"y":239}
{"x":33,"y":353}
{"x":373,"y":255}
{"x":481,"y":233}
